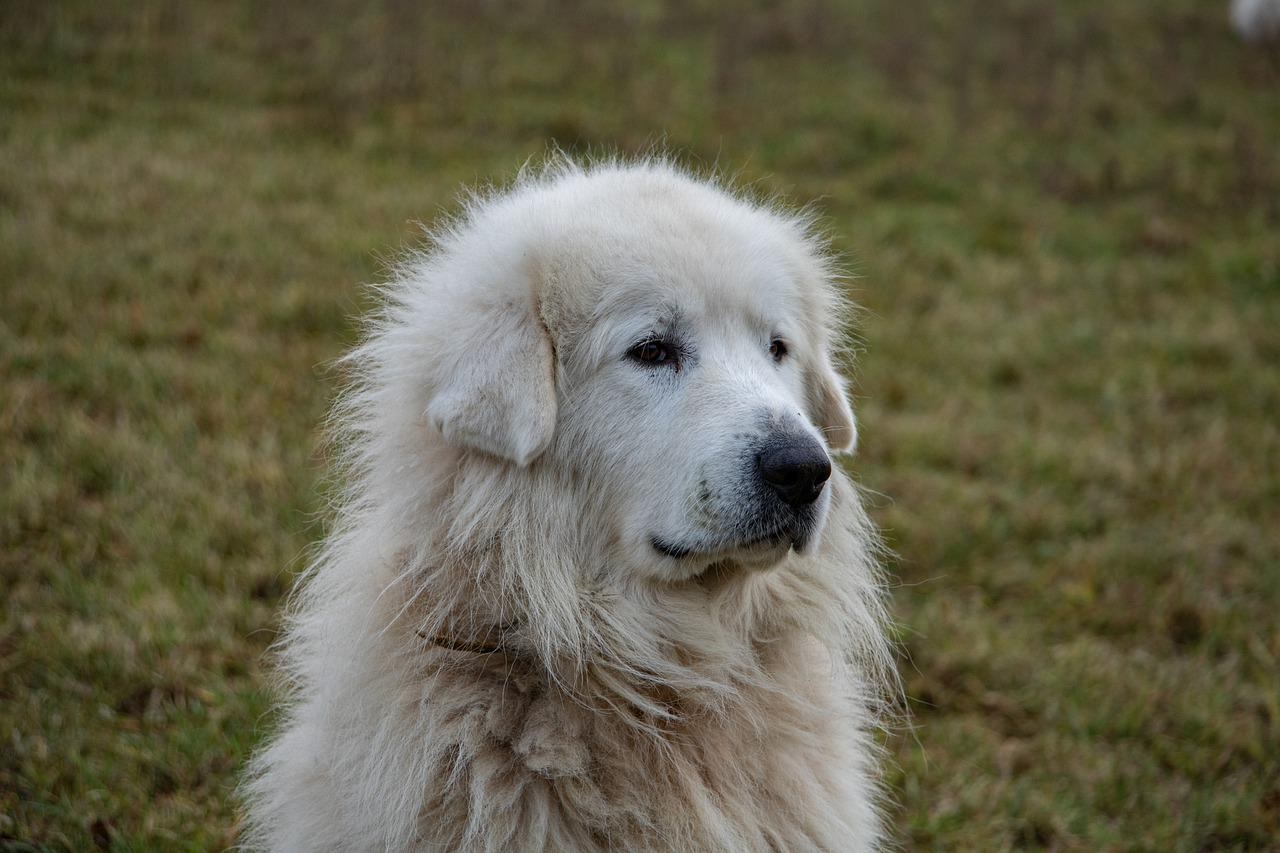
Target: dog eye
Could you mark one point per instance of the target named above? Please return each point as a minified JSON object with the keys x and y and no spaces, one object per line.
{"x":777,"y":349}
{"x":652,"y":352}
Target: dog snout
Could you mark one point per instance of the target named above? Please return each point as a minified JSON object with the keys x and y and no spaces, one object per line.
{"x":796,"y":468}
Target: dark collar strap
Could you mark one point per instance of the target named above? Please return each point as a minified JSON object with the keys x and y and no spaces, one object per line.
{"x":483,"y":646}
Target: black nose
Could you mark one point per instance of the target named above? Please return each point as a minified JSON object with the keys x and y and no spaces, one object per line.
{"x":796,"y":469}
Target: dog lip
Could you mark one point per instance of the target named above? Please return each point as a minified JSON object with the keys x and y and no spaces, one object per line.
{"x":676,"y":552}
{"x":679,"y":552}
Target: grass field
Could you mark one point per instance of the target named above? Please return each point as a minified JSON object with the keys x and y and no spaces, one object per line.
{"x":1065,"y":219}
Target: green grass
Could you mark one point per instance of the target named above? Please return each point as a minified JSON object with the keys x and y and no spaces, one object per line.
{"x":1065,"y":219}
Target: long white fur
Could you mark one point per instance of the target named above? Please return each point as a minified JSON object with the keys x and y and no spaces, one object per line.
{"x":634,"y":705}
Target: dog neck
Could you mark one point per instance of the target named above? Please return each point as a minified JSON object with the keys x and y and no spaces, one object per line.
{"x":456,"y":645}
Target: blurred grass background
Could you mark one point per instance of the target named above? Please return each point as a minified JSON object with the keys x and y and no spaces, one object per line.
{"x":1066,"y":222}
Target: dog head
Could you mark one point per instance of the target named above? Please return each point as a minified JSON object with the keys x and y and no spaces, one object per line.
{"x":667,"y":345}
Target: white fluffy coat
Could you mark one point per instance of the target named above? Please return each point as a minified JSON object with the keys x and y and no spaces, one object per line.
{"x":484,"y":656}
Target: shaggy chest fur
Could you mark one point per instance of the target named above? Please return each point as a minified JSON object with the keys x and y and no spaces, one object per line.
{"x":508,"y":760}
{"x":697,"y":719}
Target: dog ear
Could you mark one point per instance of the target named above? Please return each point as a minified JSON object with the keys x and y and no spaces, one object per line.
{"x":497,"y":393}
{"x":830,"y":407}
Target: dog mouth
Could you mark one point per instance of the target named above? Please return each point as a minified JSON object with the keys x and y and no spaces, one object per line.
{"x":792,"y":536}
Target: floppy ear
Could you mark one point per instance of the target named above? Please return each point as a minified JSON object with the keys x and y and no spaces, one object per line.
{"x":831,"y":412}
{"x":498,"y":393}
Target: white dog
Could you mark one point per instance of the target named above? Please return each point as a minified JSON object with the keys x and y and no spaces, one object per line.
{"x":1256,"y":20}
{"x":595,"y":583}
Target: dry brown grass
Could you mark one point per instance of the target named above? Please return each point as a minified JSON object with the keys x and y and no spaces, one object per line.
{"x":1063,"y":217}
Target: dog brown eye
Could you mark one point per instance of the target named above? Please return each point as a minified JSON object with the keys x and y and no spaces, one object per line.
{"x":777,"y":349}
{"x":652,"y":352}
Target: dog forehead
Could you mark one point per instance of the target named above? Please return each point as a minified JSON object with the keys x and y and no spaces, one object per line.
{"x":669,"y":260}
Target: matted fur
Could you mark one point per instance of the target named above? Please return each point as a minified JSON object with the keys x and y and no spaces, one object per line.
{"x":476,"y":660}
